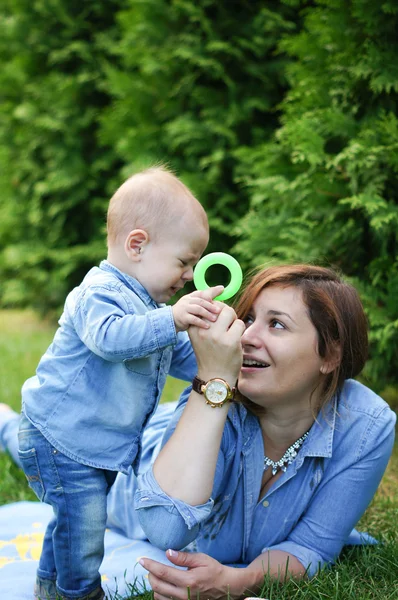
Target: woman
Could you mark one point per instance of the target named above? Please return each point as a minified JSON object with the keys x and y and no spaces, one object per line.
{"x":277,"y":479}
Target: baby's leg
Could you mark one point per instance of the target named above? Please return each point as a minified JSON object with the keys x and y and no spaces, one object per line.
{"x":9,"y":423}
{"x":77,"y":494}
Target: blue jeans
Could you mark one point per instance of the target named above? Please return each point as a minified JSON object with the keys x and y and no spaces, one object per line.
{"x":73,"y":546}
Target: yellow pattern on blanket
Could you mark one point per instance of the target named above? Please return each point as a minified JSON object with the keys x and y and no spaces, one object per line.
{"x":25,"y":546}
{"x":22,"y":530}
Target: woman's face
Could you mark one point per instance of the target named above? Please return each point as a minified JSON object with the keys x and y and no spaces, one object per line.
{"x":281,"y":364}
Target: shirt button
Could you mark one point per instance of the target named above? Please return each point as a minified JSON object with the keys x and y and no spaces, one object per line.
{"x":265,"y":503}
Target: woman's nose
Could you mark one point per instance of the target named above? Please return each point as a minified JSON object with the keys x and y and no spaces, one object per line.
{"x":250,"y":337}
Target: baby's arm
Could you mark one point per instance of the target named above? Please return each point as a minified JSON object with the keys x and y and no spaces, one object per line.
{"x":105,"y":320}
{"x":196,"y":308}
{"x":110,"y":324}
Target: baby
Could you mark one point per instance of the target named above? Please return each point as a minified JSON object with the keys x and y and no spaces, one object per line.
{"x":100,"y":380}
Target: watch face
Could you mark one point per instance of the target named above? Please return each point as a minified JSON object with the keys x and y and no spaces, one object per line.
{"x":216,"y":392}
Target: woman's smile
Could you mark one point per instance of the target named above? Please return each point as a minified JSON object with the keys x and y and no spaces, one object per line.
{"x":252,"y":364}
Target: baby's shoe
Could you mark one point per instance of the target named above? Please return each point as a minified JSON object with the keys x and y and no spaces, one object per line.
{"x":45,"y":590}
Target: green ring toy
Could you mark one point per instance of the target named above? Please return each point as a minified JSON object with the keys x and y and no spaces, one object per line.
{"x":219,"y":258}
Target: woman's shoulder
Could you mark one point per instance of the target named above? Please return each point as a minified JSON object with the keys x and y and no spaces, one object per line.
{"x":357,"y":398}
{"x":362,"y":418}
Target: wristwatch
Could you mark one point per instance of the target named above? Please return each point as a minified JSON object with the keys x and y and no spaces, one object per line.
{"x":216,"y":391}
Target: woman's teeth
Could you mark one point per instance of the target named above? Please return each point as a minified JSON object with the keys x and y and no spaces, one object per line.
{"x":254,"y":363}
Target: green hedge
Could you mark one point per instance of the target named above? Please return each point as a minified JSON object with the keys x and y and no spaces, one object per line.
{"x":92,"y":92}
{"x":325,"y":189}
{"x":280,"y":115}
{"x":54,"y":174}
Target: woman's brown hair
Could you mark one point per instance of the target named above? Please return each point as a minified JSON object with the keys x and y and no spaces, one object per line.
{"x":335,"y":310}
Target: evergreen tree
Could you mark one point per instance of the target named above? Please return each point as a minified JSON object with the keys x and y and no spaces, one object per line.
{"x":54,"y":174}
{"x":197,"y":80}
{"x":91,"y":92}
{"x":325,"y":189}
{"x":184,"y":82}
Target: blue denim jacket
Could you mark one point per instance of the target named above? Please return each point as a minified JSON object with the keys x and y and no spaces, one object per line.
{"x":311,"y":509}
{"x":100,"y":380}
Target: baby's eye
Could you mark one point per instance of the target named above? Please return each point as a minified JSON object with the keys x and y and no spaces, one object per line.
{"x":183,"y":262}
{"x":275,"y":324}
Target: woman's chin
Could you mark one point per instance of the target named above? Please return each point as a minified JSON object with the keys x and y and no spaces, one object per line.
{"x":247,"y":390}
{"x":253,"y":383}
{"x":251,"y":376}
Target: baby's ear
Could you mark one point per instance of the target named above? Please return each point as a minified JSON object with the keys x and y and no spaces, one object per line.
{"x":135,"y":243}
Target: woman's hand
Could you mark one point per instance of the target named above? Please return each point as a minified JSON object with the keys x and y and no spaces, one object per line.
{"x":207,"y":579}
{"x":204,"y":579}
{"x":186,"y":465}
{"x":218,"y":349}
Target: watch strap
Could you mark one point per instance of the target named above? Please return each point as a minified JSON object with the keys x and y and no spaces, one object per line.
{"x":197,"y":384}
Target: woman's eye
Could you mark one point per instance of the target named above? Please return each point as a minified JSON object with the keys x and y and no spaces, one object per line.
{"x":248,"y":320}
{"x":277,"y":324}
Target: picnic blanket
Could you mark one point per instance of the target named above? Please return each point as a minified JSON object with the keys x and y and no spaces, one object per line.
{"x":22,"y":527}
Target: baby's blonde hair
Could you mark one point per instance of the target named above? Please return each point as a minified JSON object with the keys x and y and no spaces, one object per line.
{"x":150,"y":200}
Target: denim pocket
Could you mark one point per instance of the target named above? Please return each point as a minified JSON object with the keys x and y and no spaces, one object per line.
{"x":142,"y":366}
{"x":31,"y":469}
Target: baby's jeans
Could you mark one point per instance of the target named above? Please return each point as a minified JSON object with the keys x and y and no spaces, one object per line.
{"x":73,"y":546}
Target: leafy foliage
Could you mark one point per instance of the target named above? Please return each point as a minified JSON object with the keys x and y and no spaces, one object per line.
{"x":325,"y":188}
{"x":92,"y":92}
{"x":281,"y":116}
{"x":54,"y":175}
{"x":193,"y":82}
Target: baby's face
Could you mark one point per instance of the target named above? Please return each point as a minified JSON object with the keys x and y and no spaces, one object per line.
{"x":167,"y":263}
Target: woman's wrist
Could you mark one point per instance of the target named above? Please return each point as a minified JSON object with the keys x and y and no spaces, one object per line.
{"x":216,"y":391}
{"x":242,"y":582}
{"x":206,"y":374}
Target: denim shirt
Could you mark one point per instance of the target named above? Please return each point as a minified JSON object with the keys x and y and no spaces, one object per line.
{"x":309,"y":512}
{"x":100,"y":380}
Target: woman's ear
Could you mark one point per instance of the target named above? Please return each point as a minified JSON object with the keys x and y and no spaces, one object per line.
{"x":135,"y":242}
{"x":332,"y":361}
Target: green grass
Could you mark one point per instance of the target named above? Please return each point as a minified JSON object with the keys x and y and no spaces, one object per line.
{"x":369,"y":573}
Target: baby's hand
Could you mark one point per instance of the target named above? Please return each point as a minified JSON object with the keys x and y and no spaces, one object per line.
{"x":197,"y":308}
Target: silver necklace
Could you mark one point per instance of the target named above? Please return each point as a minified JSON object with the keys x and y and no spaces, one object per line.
{"x":287,"y":458}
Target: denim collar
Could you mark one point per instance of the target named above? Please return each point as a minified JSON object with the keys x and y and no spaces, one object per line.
{"x":319,"y":441}
{"x":131,"y":283}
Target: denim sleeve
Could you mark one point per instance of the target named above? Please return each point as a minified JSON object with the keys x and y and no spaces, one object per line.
{"x":105,"y":322}
{"x":168,"y":522}
{"x":342,"y":498}
{"x":183,"y":364}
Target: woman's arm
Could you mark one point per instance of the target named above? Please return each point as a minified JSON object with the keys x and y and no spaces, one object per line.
{"x":186,"y":465}
{"x":362,"y":449}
